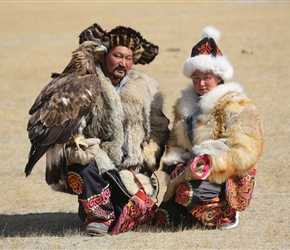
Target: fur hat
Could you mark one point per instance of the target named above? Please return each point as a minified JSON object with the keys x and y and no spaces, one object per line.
{"x":206,"y":56}
{"x":143,"y":52}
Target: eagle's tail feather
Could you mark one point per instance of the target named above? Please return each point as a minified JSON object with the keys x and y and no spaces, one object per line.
{"x":34,"y":156}
{"x":56,"y":165}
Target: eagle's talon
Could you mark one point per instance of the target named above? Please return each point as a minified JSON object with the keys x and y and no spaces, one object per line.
{"x":79,"y":141}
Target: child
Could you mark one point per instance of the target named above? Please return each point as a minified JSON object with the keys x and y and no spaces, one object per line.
{"x":218,"y":126}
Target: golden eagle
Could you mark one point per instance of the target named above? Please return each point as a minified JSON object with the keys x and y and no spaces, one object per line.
{"x":60,"y":109}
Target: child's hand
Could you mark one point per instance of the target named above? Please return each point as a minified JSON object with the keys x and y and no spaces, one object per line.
{"x":178,"y":169}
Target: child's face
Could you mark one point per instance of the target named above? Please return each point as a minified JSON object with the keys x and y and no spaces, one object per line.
{"x":203,"y":82}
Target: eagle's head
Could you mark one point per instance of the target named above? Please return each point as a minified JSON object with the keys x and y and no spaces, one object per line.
{"x":92,"y":48}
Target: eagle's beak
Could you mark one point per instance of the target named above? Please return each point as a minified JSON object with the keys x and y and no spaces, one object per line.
{"x":101,"y":49}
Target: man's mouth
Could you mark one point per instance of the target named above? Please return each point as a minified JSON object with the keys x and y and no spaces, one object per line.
{"x":120,"y":70}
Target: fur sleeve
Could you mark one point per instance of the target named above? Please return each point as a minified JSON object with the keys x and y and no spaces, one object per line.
{"x":178,"y":146}
{"x":239,"y":149}
{"x":154,"y":148}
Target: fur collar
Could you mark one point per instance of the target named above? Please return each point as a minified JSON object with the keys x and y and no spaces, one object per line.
{"x":188,"y":103}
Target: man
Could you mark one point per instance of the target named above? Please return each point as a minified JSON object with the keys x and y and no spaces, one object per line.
{"x":127,"y":127}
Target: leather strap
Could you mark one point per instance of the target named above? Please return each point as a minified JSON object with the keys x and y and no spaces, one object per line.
{"x":137,"y":180}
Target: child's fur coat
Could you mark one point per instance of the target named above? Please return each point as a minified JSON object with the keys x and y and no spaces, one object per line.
{"x":227,"y":129}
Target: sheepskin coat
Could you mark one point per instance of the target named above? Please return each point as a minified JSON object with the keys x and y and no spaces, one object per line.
{"x":224,"y":124}
{"x":130,"y":122}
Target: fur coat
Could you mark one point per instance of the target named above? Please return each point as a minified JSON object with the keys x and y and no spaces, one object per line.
{"x":224,"y":124}
{"x":131,"y":126}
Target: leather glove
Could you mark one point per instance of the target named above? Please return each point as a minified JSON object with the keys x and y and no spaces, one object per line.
{"x":83,"y":156}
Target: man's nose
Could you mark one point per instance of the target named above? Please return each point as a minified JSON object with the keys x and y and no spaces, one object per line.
{"x":122,"y":62}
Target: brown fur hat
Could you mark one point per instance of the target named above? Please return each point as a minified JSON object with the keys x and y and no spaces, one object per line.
{"x":143,"y":51}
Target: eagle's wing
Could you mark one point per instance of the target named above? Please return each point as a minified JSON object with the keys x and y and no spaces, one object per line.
{"x":58,"y":111}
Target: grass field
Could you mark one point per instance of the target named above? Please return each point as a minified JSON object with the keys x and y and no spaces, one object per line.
{"x":37,"y":38}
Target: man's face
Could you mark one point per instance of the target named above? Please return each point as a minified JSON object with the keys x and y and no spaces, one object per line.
{"x":117,"y":63}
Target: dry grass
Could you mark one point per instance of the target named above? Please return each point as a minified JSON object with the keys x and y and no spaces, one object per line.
{"x":37,"y":38}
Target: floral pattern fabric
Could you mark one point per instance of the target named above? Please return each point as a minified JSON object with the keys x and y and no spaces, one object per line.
{"x":139,"y":210}
{"x":239,"y":190}
{"x":206,"y":204}
{"x":93,"y":192}
{"x":75,"y":182}
{"x":214,"y":213}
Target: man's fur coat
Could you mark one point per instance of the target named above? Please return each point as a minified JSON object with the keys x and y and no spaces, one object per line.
{"x":223,"y":124}
{"x":131,"y":126}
